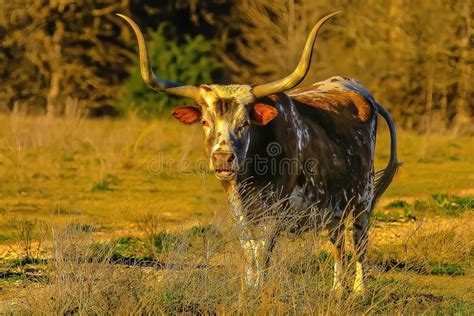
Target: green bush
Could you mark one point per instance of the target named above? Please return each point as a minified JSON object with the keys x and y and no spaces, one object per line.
{"x":438,"y":268}
{"x":397,"y":204}
{"x":445,"y":204}
{"x":190,"y":62}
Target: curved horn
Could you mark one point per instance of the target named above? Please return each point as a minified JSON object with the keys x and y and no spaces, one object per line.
{"x":301,"y":70}
{"x":149,"y":77}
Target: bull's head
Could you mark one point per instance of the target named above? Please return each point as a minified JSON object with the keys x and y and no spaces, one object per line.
{"x":226,"y":112}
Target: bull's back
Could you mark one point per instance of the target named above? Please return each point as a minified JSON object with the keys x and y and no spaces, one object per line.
{"x":341,"y":116}
{"x":339,"y":97}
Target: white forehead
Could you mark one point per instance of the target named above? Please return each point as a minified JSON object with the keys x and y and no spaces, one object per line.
{"x":241,"y":93}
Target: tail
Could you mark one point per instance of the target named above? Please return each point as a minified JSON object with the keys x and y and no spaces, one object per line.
{"x":384,"y":177}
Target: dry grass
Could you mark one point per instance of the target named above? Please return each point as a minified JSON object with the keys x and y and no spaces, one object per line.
{"x":200,"y":271}
{"x":119,"y":238}
{"x":84,"y":278}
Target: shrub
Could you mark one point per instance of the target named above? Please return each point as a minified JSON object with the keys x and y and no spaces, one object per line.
{"x":453,"y":205}
{"x":444,"y":204}
{"x":191,"y":62}
{"x":397,"y":204}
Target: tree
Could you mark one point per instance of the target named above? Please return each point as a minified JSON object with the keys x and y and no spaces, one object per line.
{"x":415,"y":57}
{"x":61,"y":48}
{"x":53,"y":50}
{"x":189,"y":62}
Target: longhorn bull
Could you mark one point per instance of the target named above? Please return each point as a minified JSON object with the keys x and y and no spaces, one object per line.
{"x":327,"y":131}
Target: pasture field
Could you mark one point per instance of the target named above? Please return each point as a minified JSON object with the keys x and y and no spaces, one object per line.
{"x":120,"y":216}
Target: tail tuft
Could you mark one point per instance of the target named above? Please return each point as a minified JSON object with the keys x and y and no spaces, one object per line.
{"x":383,"y":178}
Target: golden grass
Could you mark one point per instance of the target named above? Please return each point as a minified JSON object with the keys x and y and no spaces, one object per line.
{"x":202,"y":273}
{"x":98,"y":170}
{"x":96,"y":182}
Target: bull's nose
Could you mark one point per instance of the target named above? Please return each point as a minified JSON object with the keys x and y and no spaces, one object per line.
{"x":223,"y":157}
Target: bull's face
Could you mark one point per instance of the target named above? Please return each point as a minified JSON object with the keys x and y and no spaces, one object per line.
{"x":226,"y":114}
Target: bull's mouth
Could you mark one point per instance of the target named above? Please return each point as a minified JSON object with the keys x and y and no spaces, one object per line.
{"x":225,"y":173}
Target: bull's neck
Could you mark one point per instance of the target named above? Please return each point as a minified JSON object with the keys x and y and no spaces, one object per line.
{"x":283,"y":139}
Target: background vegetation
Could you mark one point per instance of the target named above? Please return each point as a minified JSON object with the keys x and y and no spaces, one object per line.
{"x":415,"y":57}
{"x":188,"y":62}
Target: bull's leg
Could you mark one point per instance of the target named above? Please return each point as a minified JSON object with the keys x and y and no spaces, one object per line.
{"x":257,"y":254}
{"x":253,"y":249}
{"x":336,"y":233}
{"x":360,"y":236}
{"x":256,"y":249}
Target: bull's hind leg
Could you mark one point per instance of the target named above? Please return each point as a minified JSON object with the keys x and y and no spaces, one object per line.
{"x":336,"y":233}
{"x":360,"y":236}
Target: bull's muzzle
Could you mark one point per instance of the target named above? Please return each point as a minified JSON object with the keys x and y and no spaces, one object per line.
{"x":224,"y":164}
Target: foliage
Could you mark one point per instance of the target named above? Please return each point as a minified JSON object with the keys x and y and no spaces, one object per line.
{"x":438,"y":204}
{"x":398,"y":215}
{"x":58,"y":49}
{"x":190,"y":62}
{"x":55,"y":50}
{"x":453,"y":204}
{"x":397,"y":204}
{"x":414,"y":57}
{"x":445,"y":268}
{"x":106,"y":183}
{"x":445,"y":204}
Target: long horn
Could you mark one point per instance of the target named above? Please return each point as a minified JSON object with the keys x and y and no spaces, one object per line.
{"x":149,"y":77}
{"x":301,"y":70}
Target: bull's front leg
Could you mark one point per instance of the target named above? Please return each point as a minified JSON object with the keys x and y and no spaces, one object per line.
{"x":257,"y":251}
{"x":257,"y":241}
{"x":253,"y":250}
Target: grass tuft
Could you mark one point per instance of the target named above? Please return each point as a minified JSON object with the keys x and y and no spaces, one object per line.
{"x":397,"y":204}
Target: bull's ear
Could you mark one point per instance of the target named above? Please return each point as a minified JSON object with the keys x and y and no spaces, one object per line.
{"x":262,"y":114}
{"x":187,"y":114}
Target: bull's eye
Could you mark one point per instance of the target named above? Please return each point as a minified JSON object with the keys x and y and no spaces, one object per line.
{"x":241,"y":128}
{"x":204,"y":123}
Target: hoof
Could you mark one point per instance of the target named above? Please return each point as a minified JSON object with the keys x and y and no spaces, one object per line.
{"x":359,"y":293}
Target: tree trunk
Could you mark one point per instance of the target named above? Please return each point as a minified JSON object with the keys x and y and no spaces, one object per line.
{"x":465,"y":80}
{"x":53,"y":104}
